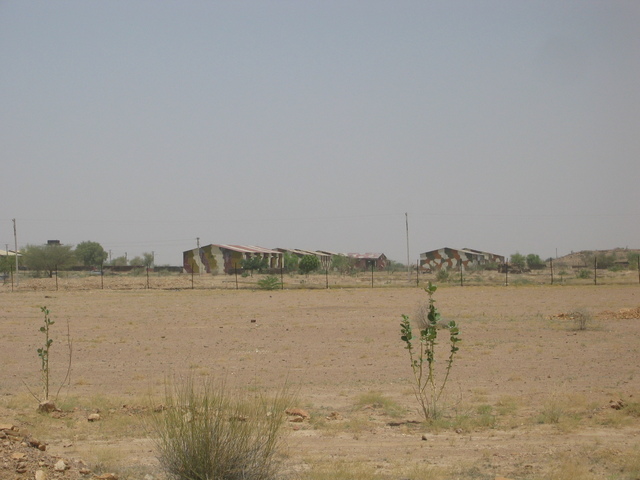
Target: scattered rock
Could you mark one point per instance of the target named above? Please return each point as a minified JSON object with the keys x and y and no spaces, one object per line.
{"x":37,"y":444}
{"x":94,"y":417}
{"x":47,"y":406}
{"x":616,"y":404}
{"x":107,"y":476}
{"x":40,"y":475}
{"x":298,"y":412}
{"x":334,"y":416}
{"x":60,"y":466}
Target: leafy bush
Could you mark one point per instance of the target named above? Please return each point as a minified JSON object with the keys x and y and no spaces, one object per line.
{"x":422,"y":356}
{"x":308,"y":264}
{"x":255,"y":263}
{"x":270,"y":282}
{"x":518,"y":260}
{"x":584,"y":273}
{"x":290,"y":262}
{"x":442,"y":275}
{"x":534,"y":262}
{"x":209,"y":433}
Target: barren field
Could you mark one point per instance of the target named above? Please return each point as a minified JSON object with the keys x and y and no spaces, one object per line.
{"x":530,"y":396}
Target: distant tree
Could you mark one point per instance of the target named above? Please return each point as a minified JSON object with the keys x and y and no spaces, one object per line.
{"x":147,"y":259}
{"x":7,"y":263}
{"x":90,"y":254}
{"x":606,"y":261}
{"x":48,"y":258}
{"x":119,"y":261}
{"x":254,"y":263}
{"x":518,"y":260}
{"x":136,"y":261}
{"x":632,"y":258}
{"x":534,"y":262}
{"x":308,"y":264}
{"x":343,"y":264}
{"x":290,"y":262}
{"x":393,"y":266}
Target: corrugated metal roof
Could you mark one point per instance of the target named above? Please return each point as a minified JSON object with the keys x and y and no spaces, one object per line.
{"x":247,"y":248}
{"x":366,"y":256}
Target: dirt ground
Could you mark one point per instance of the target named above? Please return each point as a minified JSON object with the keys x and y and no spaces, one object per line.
{"x":528,"y":394}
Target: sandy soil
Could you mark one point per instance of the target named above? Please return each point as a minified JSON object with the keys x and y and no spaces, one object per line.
{"x":519,"y":351}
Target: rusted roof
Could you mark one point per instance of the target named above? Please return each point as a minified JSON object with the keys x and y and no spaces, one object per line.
{"x":247,"y":249}
{"x":366,"y":256}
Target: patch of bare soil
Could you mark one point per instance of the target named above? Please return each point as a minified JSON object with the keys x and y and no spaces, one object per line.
{"x":527,"y":392}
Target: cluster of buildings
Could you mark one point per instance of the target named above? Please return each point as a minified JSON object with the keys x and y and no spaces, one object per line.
{"x":219,"y":258}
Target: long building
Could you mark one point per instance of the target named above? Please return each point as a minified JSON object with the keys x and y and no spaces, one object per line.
{"x":325,"y":258}
{"x":448,"y":258}
{"x":215,"y":258}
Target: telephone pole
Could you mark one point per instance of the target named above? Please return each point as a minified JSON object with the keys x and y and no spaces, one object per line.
{"x":15,"y":252}
{"x":406,"y":218}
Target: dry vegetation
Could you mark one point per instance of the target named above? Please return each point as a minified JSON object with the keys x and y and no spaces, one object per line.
{"x":532,"y":395}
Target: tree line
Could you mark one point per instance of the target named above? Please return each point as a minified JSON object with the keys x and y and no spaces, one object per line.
{"x":50,"y":258}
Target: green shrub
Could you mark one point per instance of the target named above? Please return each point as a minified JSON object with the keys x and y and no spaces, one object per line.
{"x":534,"y":262}
{"x":584,"y":273}
{"x":308,"y":264}
{"x":422,"y":356}
{"x":209,"y":433}
{"x":442,"y":275}
{"x":270,"y":282}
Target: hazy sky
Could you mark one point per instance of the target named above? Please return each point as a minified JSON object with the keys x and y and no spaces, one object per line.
{"x":497,"y":125}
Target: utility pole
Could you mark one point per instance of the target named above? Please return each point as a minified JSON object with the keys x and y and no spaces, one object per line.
{"x":406,"y":218}
{"x":199,"y":257}
{"x":15,"y":252}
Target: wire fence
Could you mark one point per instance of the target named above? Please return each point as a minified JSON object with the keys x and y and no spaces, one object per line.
{"x":148,"y":279}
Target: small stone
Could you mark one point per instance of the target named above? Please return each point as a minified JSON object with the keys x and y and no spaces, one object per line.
{"x":425,"y":437}
{"x":40,"y":475}
{"x":47,"y":406}
{"x":94,"y":417}
{"x":107,"y":476}
{"x":84,"y":471}
{"x":18,"y":456}
{"x":60,"y":466}
{"x":298,"y":412}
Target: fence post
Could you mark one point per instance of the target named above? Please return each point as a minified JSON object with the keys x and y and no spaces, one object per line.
{"x":417,"y":273}
{"x":326,"y":277}
{"x":372,"y":274}
{"x":236,"y":272}
{"x":12,"y":278}
{"x":461,"y":281}
{"x":551,"y":264}
{"x":56,"y":278}
{"x":595,"y":271}
{"x":506,"y":274}
{"x":281,"y":277}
